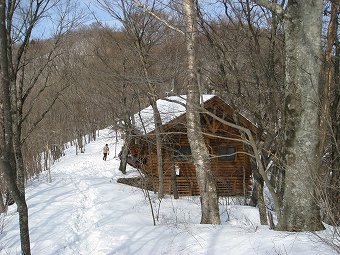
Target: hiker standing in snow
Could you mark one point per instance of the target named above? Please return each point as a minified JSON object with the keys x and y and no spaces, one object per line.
{"x":106,"y":151}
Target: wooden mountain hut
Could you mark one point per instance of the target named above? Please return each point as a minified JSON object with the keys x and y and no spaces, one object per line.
{"x":229,"y":161}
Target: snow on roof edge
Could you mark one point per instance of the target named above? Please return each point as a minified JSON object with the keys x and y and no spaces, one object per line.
{"x":168,"y":108}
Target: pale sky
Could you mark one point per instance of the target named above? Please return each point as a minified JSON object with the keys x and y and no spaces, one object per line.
{"x":87,"y":12}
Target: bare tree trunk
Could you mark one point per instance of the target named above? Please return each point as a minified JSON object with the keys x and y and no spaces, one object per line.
{"x":157,"y":120}
{"x":80,"y":141}
{"x":139,"y":33}
{"x":259,"y":183}
{"x":328,"y":86}
{"x":124,"y":154}
{"x":158,"y":123}
{"x":333,"y":185}
{"x":205,"y":179}
{"x":2,"y":204}
{"x":19,"y":160}
{"x":7,"y":161}
{"x":303,"y":66}
{"x":328,"y":130}
{"x":173,"y":175}
{"x":48,"y":163}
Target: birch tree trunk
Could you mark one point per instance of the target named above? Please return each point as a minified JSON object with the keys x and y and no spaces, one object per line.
{"x":303,"y":20}
{"x":205,"y":179}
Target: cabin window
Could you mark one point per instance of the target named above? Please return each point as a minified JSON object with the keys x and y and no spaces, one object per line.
{"x":182,"y":152}
{"x":227,"y":153}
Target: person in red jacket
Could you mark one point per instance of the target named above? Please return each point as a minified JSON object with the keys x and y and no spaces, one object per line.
{"x":106,"y":151}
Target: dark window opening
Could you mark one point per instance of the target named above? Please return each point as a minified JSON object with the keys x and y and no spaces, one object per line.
{"x":227,"y":153}
{"x":182,"y":152}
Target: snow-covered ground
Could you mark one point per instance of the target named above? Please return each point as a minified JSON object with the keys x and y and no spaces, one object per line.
{"x":85,"y":211}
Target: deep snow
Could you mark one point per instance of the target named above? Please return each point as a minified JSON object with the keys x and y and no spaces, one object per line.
{"x":85,"y":211}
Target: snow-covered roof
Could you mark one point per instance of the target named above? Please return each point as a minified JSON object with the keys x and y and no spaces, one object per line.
{"x":168,"y":108}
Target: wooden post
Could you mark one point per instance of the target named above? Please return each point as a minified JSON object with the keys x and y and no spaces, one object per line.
{"x":173,"y":176}
{"x":244,"y":186}
{"x":116,"y":143}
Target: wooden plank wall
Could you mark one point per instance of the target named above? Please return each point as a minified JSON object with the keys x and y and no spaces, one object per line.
{"x":232,"y":177}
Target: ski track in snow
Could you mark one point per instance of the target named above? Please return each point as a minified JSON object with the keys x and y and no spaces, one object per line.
{"x":86,"y":205}
{"x":82,"y":219}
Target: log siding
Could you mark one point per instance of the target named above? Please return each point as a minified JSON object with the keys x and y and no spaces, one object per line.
{"x":233,"y":177}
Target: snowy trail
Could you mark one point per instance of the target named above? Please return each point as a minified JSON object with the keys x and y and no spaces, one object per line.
{"x":84,"y":211}
{"x":89,"y":172}
{"x":82,"y":219}
{"x":76,"y":205}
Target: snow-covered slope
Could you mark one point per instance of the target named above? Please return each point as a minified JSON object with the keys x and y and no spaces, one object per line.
{"x":85,"y":211}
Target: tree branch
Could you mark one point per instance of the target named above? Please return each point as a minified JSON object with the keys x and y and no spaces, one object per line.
{"x":166,"y":23}
{"x":42,"y":116}
{"x":274,"y":7}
